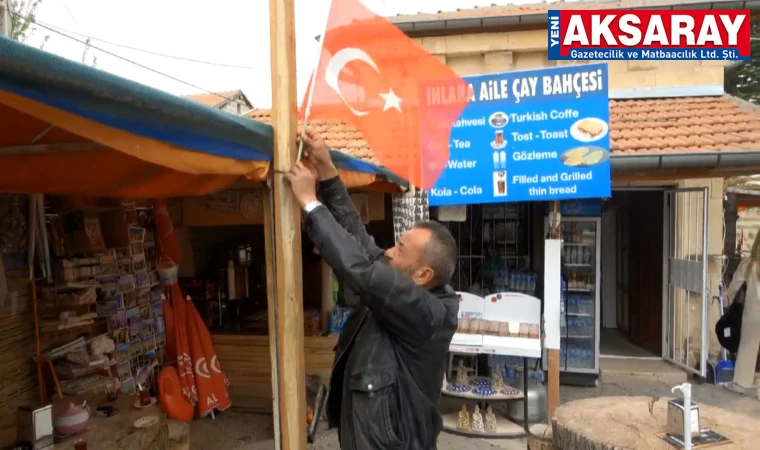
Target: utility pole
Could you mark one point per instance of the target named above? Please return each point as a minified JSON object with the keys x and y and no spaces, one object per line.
{"x":5,"y":18}
{"x":287,"y":336}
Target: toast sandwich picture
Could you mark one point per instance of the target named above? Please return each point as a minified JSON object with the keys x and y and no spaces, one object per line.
{"x":589,"y":129}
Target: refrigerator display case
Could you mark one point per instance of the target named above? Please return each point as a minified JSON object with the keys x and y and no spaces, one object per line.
{"x":580,"y":299}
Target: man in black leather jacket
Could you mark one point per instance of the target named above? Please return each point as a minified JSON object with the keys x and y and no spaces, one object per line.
{"x":391,"y":355}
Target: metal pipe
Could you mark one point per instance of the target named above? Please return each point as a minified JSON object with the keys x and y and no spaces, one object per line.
{"x":686,"y":391}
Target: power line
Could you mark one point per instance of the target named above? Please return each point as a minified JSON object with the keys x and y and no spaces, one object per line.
{"x":138,"y":64}
{"x":142,"y":50}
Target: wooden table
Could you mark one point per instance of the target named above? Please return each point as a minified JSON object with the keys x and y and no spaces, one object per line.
{"x":608,"y":423}
{"x":118,"y":432}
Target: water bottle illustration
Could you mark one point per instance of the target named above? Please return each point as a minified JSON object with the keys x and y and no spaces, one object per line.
{"x":503,"y":159}
{"x":496,"y":159}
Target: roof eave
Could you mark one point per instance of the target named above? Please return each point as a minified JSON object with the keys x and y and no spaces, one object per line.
{"x":431,"y":23}
{"x":697,"y":160}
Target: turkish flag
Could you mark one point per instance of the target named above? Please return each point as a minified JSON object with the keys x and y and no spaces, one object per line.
{"x":402,"y":99}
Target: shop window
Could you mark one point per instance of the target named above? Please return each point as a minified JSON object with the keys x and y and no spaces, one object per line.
{"x":494,"y":249}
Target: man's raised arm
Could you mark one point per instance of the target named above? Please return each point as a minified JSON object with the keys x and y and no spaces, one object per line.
{"x":410,"y":312}
{"x":335,"y":195}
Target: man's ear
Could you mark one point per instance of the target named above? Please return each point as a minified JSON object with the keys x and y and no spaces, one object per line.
{"x":424,"y":275}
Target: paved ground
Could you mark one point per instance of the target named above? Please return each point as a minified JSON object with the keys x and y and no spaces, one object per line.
{"x":242,"y":431}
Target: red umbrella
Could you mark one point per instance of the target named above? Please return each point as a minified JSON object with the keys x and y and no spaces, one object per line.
{"x":201,"y":379}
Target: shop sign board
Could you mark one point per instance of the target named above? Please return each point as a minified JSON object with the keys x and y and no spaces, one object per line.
{"x":533,"y":135}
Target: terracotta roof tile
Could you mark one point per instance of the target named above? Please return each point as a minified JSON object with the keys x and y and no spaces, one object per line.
{"x":670,"y":125}
{"x":211,"y":99}
{"x":497,"y":10}
{"x":681,"y":125}
{"x":337,"y":135}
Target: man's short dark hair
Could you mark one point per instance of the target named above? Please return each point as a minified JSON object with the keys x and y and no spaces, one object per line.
{"x":440,"y":252}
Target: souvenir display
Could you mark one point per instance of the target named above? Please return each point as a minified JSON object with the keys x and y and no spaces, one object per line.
{"x":463,"y":374}
{"x":409,"y":208}
{"x":481,"y":382}
{"x":463,"y":423}
{"x":496,"y":380}
{"x":484,"y":391}
{"x":510,"y":391}
{"x":490,"y":420}
{"x":477,"y":420}
{"x":458,"y":388}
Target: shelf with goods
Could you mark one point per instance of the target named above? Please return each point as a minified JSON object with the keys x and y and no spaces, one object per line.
{"x":108,"y":256}
{"x":492,"y":395}
{"x":506,"y":328}
{"x":493,"y":243}
{"x":579,"y":323}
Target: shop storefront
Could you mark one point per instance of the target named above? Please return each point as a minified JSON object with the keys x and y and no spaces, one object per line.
{"x":660,"y":237}
{"x":526,"y":139}
{"x":80,"y":263}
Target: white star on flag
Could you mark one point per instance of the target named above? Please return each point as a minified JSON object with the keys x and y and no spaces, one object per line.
{"x":391,"y":101}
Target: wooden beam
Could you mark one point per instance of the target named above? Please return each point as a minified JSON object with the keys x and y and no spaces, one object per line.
{"x":288,"y":333}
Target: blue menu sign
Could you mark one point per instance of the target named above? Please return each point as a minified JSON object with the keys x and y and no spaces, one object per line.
{"x":530,"y":136}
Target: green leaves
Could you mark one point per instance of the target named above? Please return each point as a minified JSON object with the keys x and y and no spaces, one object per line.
{"x":22,"y":18}
{"x":743,"y":80}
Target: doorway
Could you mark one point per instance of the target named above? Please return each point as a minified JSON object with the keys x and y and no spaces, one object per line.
{"x":632,"y":274}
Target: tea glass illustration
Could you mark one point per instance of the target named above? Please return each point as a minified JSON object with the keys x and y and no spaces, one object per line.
{"x":499,"y":138}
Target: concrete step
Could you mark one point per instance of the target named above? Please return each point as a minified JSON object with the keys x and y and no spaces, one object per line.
{"x":612,"y":369}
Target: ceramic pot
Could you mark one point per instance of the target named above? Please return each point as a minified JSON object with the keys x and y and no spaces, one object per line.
{"x":71,"y":421}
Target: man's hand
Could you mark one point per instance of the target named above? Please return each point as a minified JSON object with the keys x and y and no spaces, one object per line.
{"x":316,"y":152}
{"x":302,"y":183}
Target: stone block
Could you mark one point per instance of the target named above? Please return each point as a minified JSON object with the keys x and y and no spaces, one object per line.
{"x":428,"y":43}
{"x":530,"y":60}
{"x":713,"y":63}
{"x":466,"y":65}
{"x":453,"y":44}
{"x":628,"y":80}
{"x":636,"y":65}
{"x":498,"y":61}
{"x":617,"y":66}
{"x":698,"y":76}
{"x":530,"y":40}
{"x":568,"y":62}
{"x":715,"y":226}
{"x":440,"y":45}
{"x":716,"y":188}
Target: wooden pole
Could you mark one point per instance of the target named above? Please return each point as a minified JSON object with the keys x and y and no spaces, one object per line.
{"x":32,"y":236}
{"x":288,"y":333}
{"x":5,"y":18}
{"x":272,"y":311}
{"x":553,"y":354}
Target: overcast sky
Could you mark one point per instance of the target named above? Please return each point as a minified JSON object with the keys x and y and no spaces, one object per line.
{"x":232,"y":32}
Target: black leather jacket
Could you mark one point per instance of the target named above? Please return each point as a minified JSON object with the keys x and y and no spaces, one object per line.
{"x":391,"y":355}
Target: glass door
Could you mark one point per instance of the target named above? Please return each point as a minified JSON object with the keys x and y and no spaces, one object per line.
{"x":580,"y":254}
